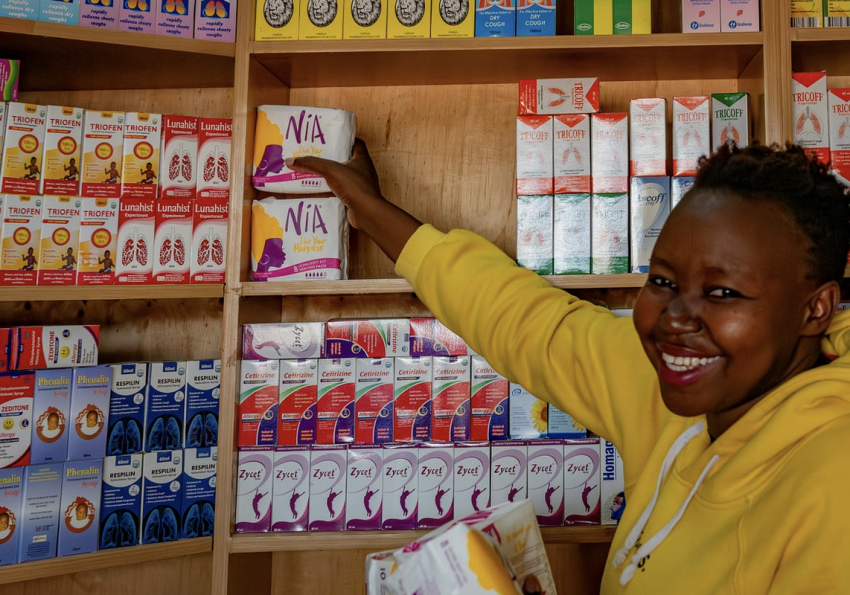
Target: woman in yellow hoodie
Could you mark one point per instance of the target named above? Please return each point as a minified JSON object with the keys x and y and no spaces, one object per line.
{"x":728,"y":394}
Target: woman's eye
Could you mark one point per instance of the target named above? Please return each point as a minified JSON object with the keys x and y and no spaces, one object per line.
{"x":661,"y":282}
{"x":723,"y":292}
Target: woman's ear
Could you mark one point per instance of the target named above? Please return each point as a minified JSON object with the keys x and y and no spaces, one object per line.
{"x":820,"y":308}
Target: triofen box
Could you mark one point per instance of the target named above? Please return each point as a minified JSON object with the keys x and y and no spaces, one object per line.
{"x":209,"y":240}
{"x":98,"y":241}
{"x":63,"y":137}
{"x":60,"y":238}
{"x":179,"y":156}
{"x":140,"y":169}
{"x":135,"y":241}
{"x":21,"y":240}
{"x":103,"y":144}
{"x":21,"y":167}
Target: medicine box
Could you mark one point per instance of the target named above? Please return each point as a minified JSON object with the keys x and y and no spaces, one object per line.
{"x":649,"y":206}
{"x":215,"y":137}
{"x":328,"y":465}
{"x":136,"y":225}
{"x":632,"y":17}
{"x":60,"y":239}
{"x":103,"y":144}
{"x":21,"y":167}
{"x":535,"y":233}
{"x":581,"y":482}
{"x":162,"y":490}
{"x":534,"y":162}
{"x":21,"y":240}
{"x":121,"y":501}
{"x":558,"y":96}
{"x":215,"y":20}
{"x":172,"y":240}
{"x":298,"y":395}
{"x":679,"y":186}
{"x":407,"y":19}
{"x":610,"y":234}
{"x":373,"y":401}
{"x":400,"y":487}
{"x":730,"y":119}
{"x":528,"y":415}
{"x":209,"y":240}
{"x":508,"y":471}
{"x":98,"y":241}
{"x":810,"y":106}
{"x":63,"y":137}
{"x":806,"y":13}
{"x":495,"y":19}
{"x":9,"y":73}
{"x":612,"y":497}
{"x":471,"y":478}
{"x":546,"y":481}
{"x":376,"y":337}
{"x":363,"y":499}
{"x":6,"y":347}
{"x":291,"y":492}
{"x":436,"y":484}
{"x":175,"y":18}
{"x":839,"y":133}
{"x":89,"y":414}
{"x":50,"y":415}
{"x":321,"y":20}
{"x":648,"y":137}
{"x":593,"y":17}
{"x":562,"y":425}
{"x":101,"y":14}
{"x":203,"y":389}
{"x":535,"y":19}
{"x":64,"y":12}
{"x":362,"y":19}
{"x":258,"y":399}
{"x":40,"y":347}
{"x":179,"y":154}
{"x":278,"y":21}
{"x":836,"y":13}
{"x":453,"y":19}
{"x":488,"y":402}
{"x":38,"y":526}
{"x":79,"y":511}
{"x":199,"y":480}
{"x":571,"y":167}
{"x":254,"y":485}
{"x":137,"y":16}
{"x":283,"y":340}
{"x":571,"y":235}
{"x":743,"y":15}
{"x":450,"y":399}
{"x":412,"y":399}
{"x":127,"y":409}
{"x":11,"y":513}
{"x":429,"y":336}
{"x":336,"y":394}
{"x":165,"y":406}
{"x":691,"y":133}
{"x":140,"y":167}
{"x":609,"y":152}
{"x":701,"y":16}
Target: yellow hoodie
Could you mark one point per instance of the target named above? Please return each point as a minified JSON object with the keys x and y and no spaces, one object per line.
{"x":760,"y":510}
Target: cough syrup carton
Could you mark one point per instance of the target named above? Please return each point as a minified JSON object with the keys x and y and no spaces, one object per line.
{"x":162,"y":491}
{"x":102,"y":14}
{"x":134,"y":265}
{"x":291,"y":488}
{"x":165,"y":406}
{"x":679,"y":186}
{"x":810,"y":106}
{"x":362,"y":19}
{"x":214,"y":141}
{"x":60,"y":238}
{"x":436,"y":484}
{"x":399,"y":509}
{"x":609,"y":151}
{"x":139,"y":17}
{"x":98,"y":241}
{"x":178,"y":157}
{"x":140,"y":163}
{"x":836,"y":13}
{"x":649,"y":207}
{"x":534,"y":164}
{"x":558,"y":96}
{"x":508,"y":471}
{"x":126,"y":427}
{"x":328,"y":465}
{"x":571,"y":237}
{"x":38,"y":528}
{"x":648,"y":137}
{"x":839,"y":133}
{"x":730,"y":119}
{"x":805,"y":13}
{"x":278,"y":21}
{"x":321,"y":21}
{"x":739,"y":15}
{"x":632,"y":17}
{"x":59,"y":11}
{"x":299,"y":386}
{"x":450,"y":399}
{"x":593,"y":17}
{"x":16,"y":407}
{"x":103,"y":139}
{"x":691,"y":133}
{"x":701,"y":16}
{"x":258,"y":397}
{"x":535,"y":19}
{"x":19,"y":9}
{"x":283,"y":340}
{"x":528,"y":415}
{"x":610,"y":234}
{"x":203,"y":389}
{"x":21,"y":240}
{"x":9,"y":71}
{"x":452,"y":19}
{"x":175,"y":19}
{"x":336,"y":394}
{"x":40,"y":347}
{"x":79,"y":511}
{"x":63,"y":137}
{"x":571,"y":167}
{"x":581,"y":482}
{"x":535,"y":225}
{"x":546,"y":481}
{"x":215,"y":20}
{"x":172,"y":240}
{"x":612,"y":498}
{"x":496,"y":19}
{"x":376,"y":337}
{"x":373,"y":404}
{"x":488,"y":402}
{"x":21,"y":168}
{"x":89,"y":412}
{"x":199,"y":479}
{"x":254,"y":489}
{"x":121,"y":501}
{"x":563,"y":426}
{"x":408,"y":19}
{"x":412,"y":399}
{"x":429,"y":336}
{"x":50,"y":415}
{"x":11,"y":513}
{"x":471,"y":478}
{"x":363,"y":500}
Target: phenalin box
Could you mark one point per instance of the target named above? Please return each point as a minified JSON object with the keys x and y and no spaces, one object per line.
{"x":610,"y":234}
{"x":471,"y":478}
{"x":215,"y":137}
{"x":162,"y":490}
{"x":508,"y":471}
{"x":140,"y":169}
{"x":16,"y":399}
{"x":40,"y":347}
{"x":328,"y":465}
{"x":810,"y":106}
{"x":60,"y":238}
{"x":450,"y":399}
{"x":679,"y":186}
{"x":534,"y":163}
{"x":297,"y":402}
{"x":362,"y":19}
{"x":412,"y":399}
{"x":209,"y":240}
{"x":571,"y":236}
{"x":278,"y":21}
{"x":558,"y":96}
{"x":648,"y":137}
{"x":175,"y":18}
{"x":562,"y":425}
{"x":11,"y":513}
{"x":172,"y":240}
{"x":612,"y":498}
{"x":691,"y":133}
{"x":488,"y":402}
{"x":50,"y":415}
{"x":436,"y":484}
{"x":299,"y":340}
{"x":648,"y":209}
{"x":546,"y":481}
{"x":536,"y":19}
{"x":321,"y":20}
{"x":495,"y":19}
{"x":98,"y":241}
{"x":400,"y":486}
{"x":103,"y":140}
{"x":571,"y":167}
{"x":806,"y":13}
{"x":581,"y":482}
{"x":609,"y":151}
{"x":21,"y":168}
{"x":21,"y":240}
{"x":203,"y":388}
{"x":453,"y":19}
{"x":127,"y":409}
{"x":701,"y":16}
{"x":258,"y":399}
{"x":528,"y":415}
{"x":165,"y":406}
{"x":39,"y":521}
{"x":199,"y":479}
{"x":839,"y":133}
{"x":121,"y":501}
{"x":101,"y":14}
{"x":137,"y":16}
{"x":135,"y":241}
{"x":179,"y":156}
{"x":254,"y":489}
{"x":63,"y":137}
{"x":535,"y":229}
{"x":429,"y":336}
{"x":336,"y":394}
{"x":79,"y":511}
{"x":291,"y":488}
{"x":375,"y":337}
{"x":215,"y":20}
{"x":363,"y":499}
{"x":408,"y":19}
{"x":373,"y":401}
{"x":741,"y":15}
{"x":89,"y":414}
{"x":730,"y":119}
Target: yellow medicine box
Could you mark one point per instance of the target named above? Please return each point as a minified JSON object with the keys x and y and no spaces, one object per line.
{"x":409,"y":19}
{"x":320,"y":19}
{"x":452,"y":18}
{"x":276,"y":20}
{"x":365,"y":19}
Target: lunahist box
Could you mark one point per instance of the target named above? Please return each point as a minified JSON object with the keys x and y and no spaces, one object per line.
{"x":135,"y":241}
{"x":172,"y":240}
{"x":121,"y":501}
{"x":209,"y":240}
{"x":162,"y":491}
{"x":127,"y":409}
{"x":89,"y":414}
{"x":290,"y":508}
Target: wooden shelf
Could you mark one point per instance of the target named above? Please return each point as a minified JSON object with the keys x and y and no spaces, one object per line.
{"x":825,"y":49}
{"x":109,"y":292}
{"x":105,"y":559}
{"x":393,"y":62}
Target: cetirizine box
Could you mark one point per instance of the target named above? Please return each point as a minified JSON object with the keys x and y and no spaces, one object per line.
{"x":102,"y":14}
{"x":373,"y":401}
{"x":50,"y":414}
{"x":19,"y":9}
{"x":215,"y":20}
{"x":408,"y":19}
{"x":436,"y":484}
{"x":612,"y":497}
{"x":136,"y":218}
{"x":452,"y":19}
{"x":488,"y":402}
{"x":11,"y":513}
{"x":363,"y":499}
{"x":89,"y":413}
{"x":126,"y":427}
{"x":558,"y":96}
{"x":103,"y":140}
{"x":534,"y":163}
{"x":39,"y":521}
{"x":278,"y":21}
{"x":701,"y":16}
{"x":172,"y":240}
{"x":528,"y":415}
{"x":179,"y":156}
{"x":648,"y":137}
{"x":63,"y":137}
{"x":495,"y":19}
{"x":679,"y":186}
{"x":610,"y":234}
{"x":209,"y":240}
{"x":810,"y":106}
{"x":839,"y":133}
{"x":400,"y":486}
{"x":471,"y":477}
{"x":299,"y":340}
{"x":79,"y":511}
{"x":165,"y":406}
{"x":730,"y":119}
{"x":98,"y":241}
{"x":203,"y":388}
{"x":336,"y":394}
{"x":508,"y":471}
{"x":254,"y":489}
{"x":562,"y":425}
{"x":609,"y":152}
{"x":214,"y":140}
{"x":21,"y":240}
{"x":534,"y":235}
{"x":571,"y":236}
{"x":321,"y":20}
{"x":291,"y":488}
{"x":328,"y":465}
{"x":546,"y":481}
{"x":535,"y":19}
{"x":258,"y":399}
{"x":362,"y":19}
{"x":137,"y":16}
{"x":581,"y":482}
{"x":412,"y":399}
{"x":571,"y":167}
{"x":60,"y":238}
{"x":21,"y":167}
{"x":121,"y":501}
{"x":162,"y":490}
{"x":450,"y":399}
{"x":297,"y":402}
{"x":376,"y":337}
{"x":740,"y":15}
{"x":429,"y":336}
{"x":199,"y":479}
{"x":175,"y":18}
{"x":140,"y":169}
{"x":649,"y":207}
{"x":40,"y":347}
{"x":691,"y":133}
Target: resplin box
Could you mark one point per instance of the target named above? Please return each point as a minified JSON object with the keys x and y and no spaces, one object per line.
{"x":165,"y":406}
{"x":60,"y":238}
{"x":103,"y":140}
{"x":508,"y":471}
{"x":839,"y":133}
{"x":412,"y":399}
{"x":571,"y":167}
{"x":89,"y":412}
{"x":126,"y":426}
{"x":648,"y":137}
{"x":79,"y":511}
{"x":472,"y":477}
{"x":198,"y":505}
{"x":450,"y":399}
{"x":98,"y":241}
{"x":810,"y":112}
{"x":429,"y":336}
{"x":534,"y":233}
{"x":121,"y":501}
{"x":400,"y":486}
{"x":528,"y":414}
{"x":571,"y":235}
{"x":20,"y":169}
{"x":328,"y":464}
{"x":609,"y":153}
{"x":375,"y":337}
{"x":209,"y":240}
{"x":16,"y":401}
{"x":162,"y":490}
{"x":258,"y":398}
{"x":649,"y":207}
{"x":254,"y":485}
{"x":63,"y":137}
{"x":534,"y":161}
{"x":488,"y":402}
{"x":581,"y":482}
{"x":140,"y":169}
{"x":50,"y":415}
{"x":11,"y":513}
{"x":283,"y":340}
{"x":172,"y":240}
{"x":373,"y":400}
{"x":612,"y":498}
{"x":609,"y":234}
{"x":203,"y":388}
{"x":730,"y":119}
{"x":179,"y":156}
{"x":363,"y":499}
{"x":700,"y":16}
{"x":134,"y":264}
{"x":335,"y":408}
{"x":436,"y":484}
{"x":40,"y":347}
{"x":291,"y":493}
{"x":21,"y":240}
{"x":214,"y":140}
{"x":691,"y":133}
{"x":297,"y":401}
{"x":38,"y":528}
{"x":546,"y":481}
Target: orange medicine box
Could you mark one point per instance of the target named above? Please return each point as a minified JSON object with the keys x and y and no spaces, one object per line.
{"x":98,"y":241}
{"x":21,"y":240}
{"x":60,"y":238}
{"x":140,"y":173}
{"x":103,"y":139}
{"x":20,"y":169}
{"x":63,"y":139}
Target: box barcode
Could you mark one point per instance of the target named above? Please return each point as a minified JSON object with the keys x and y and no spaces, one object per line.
{"x":805,"y":22}
{"x":837,"y":21}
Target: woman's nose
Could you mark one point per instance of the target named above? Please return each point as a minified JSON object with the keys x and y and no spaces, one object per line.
{"x":681,"y":316}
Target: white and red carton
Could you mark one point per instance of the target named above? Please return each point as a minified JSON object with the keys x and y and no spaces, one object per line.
{"x":429,"y":336}
{"x":691,"y":133}
{"x":60,"y":238}
{"x":810,"y":113}
{"x":258,"y":402}
{"x":135,"y":241}
{"x":299,"y":385}
{"x":373,"y":402}
{"x":367,"y":337}
{"x":534,"y":157}
{"x":21,"y":166}
{"x":43,"y":347}
{"x":450,"y":400}
{"x":214,"y":140}
{"x":21,"y":240}
{"x":730,"y":119}
{"x":701,"y":16}
{"x":839,"y":133}
{"x":648,"y":137}
{"x":103,"y":143}
{"x":17,"y":390}
{"x":581,"y":482}
{"x":488,"y":402}
{"x":739,"y":15}
{"x":209,"y":240}
{"x":98,"y":241}
{"x":142,"y":138}
{"x":336,"y":393}
{"x":63,"y":138}
{"x":558,"y":96}
{"x":172,"y":240}
{"x":609,"y":150}
{"x":572,"y":153}
{"x":412,"y":399}
{"x":179,"y":157}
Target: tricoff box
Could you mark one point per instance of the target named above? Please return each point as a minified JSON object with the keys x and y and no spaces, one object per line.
{"x":140,"y":167}
{"x":450,"y":399}
{"x":299,"y":385}
{"x":488,"y":402}
{"x":571,"y":167}
{"x":495,"y":19}
{"x":649,"y":206}
{"x":558,"y":96}
{"x":165,"y":406}
{"x":64,"y":12}
{"x":283,"y":340}
{"x":50,"y":415}
{"x":63,"y":137}
{"x":805,"y":13}
{"x":328,"y":465}
{"x":214,"y":141}
{"x":373,"y":401}
{"x":199,"y":479}
{"x":571,"y":236}
{"x":175,"y":18}
{"x":362,"y":19}
{"x":121,"y":501}
{"x":79,"y":511}
{"x":412,"y":399}
{"x":363,"y":499}
{"x":254,"y":489}
{"x":60,"y":238}
{"x":89,"y":412}
{"x":700,"y":16}
{"x":839,"y":133}
{"x":740,"y":15}
{"x":508,"y":471}
{"x":632,"y":17}
{"x":399,"y":508}
{"x":535,"y":19}
{"x":19,"y":9}
{"x":126,"y":427}
{"x":335,"y":405}
{"x":162,"y":491}
{"x":546,"y":481}
{"x":40,"y":347}
{"x":376,"y":337}
{"x":321,"y":21}
{"x":103,"y":139}
{"x":691,"y":135}
{"x":216,"y":20}
{"x":20,"y":169}
{"x":810,"y":112}
{"x":137,"y":16}
{"x":38,"y":528}
{"x":836,"y":13}
{"x":528,"y":415}
{"x":203,"y":388}
{"x":472,"y":477}
{"x":581,"y":482}
{"x":593,"y":17}
{"x":21,"y":240}
{"x":278,"y":21}
{"x":179,"y":156}
{"x":562,"y":425}
{"x":609,"y":152}
{"x":98,"y":241}
{"x":429,"y":336}
{"x":730,"y":119}
{"x":16,"y":405}
{"x":436,"y":484}
{"x":612,"y":498}
{"x":453,"y":19}
{"x":610,"y":234}
{"x":534,"y":164}
{"x":11,"y":513}
{"x":679,"y":186}
{"x":258,"y":398}
{"x":291,"y":488}
{"x":408,"y":19}
{"x":135,"y":241}
{"x":102,"y":14}
{"x":209,"y":240}
{"x":648,"y":137}
{"x":534,"y":233}
{"x":172,"y":240}
{"x":9,"y":72}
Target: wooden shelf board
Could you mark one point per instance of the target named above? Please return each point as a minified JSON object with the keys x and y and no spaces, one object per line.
{"x":667,"y":56}
{"x":109,"y":292}
{"x":820,"y":34}
{"x":825,"y":49}
{"x":104,"y":559}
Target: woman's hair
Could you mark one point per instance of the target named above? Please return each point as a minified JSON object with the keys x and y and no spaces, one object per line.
{"x":796,"y":180}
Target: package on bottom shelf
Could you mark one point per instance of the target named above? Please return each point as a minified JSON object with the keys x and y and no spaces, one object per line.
{"x":126,"y":427}
{"x":297,"y":401}
{"x":691,"y":133}
{"x":89,"y":415}
{"x":367,"y":337}
{"x":136,"y":226}
{"x":40,"y":347}
{"x":450,"y":399}
{"x":21,"y":166}
{"x":50,"y":416}
{"x":508,"y":471}
{"x":546,"y":481}
{"x":399,"y":509}
{"x":649,"y":206}
{"x":63,"y":138}
{"x":16,"y":404}
{"x":162,"y":491}
{"x":199,"y":479}
{"x":291,"y":488}
{"x":20,"y":240}
{"x":254,"y":489}
{"x":581,"y":482}
{"x":363,"y":498}
{"x":436,"y":484}
{"x":528,"y":415}
{"x":488,"y":402}
{"x":60,"y":239}
{"x":335,"y":405}
{"x":571,"y":236}
{"x":258,"y":401}
{"x":612,"y":496}
{"x":429,"y":336}
{"x":178,"y":157}
{"x":328,"y":464}
{"x":412,"y":399}
{"x":283,"y":340}
{"x":98,"y":241}
{"x":11,"y":513}
{"x":609,"y":234}
{"x":39,"y":521}
{"x":373,"y":402}
{"x":203,"y":389}
{"x":79,"y":510}
{"x":471,"y":477}
{"x":121,"y":501}
{"x":209,"y":240}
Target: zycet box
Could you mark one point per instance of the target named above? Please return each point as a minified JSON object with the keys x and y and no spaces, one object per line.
{"x":291,"y":488}
{"x":436,"y":484}
{"x":254,"y":489}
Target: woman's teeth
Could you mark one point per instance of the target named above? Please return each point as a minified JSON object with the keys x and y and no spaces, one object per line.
{"x":683,"y":364}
